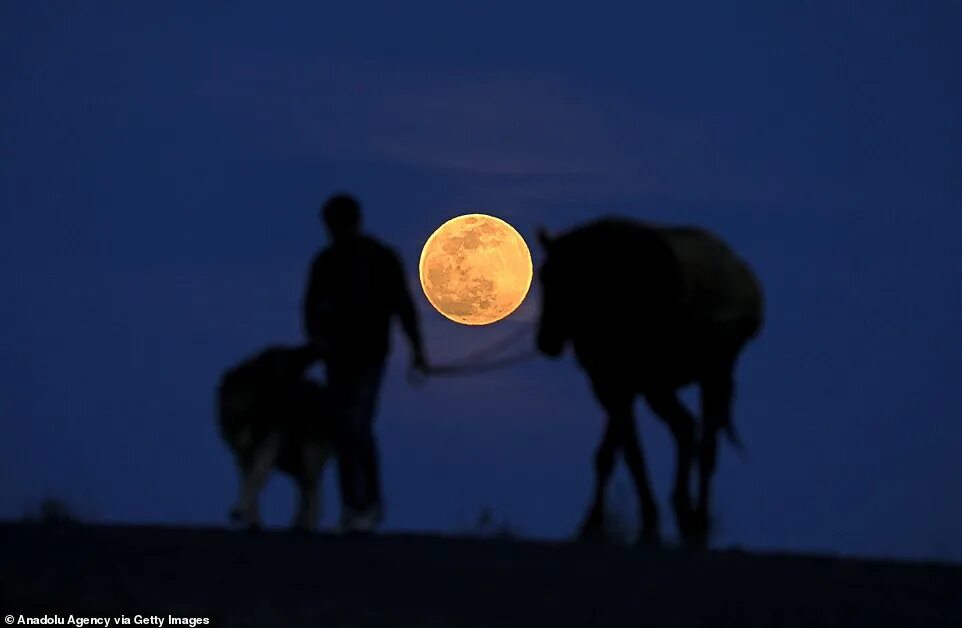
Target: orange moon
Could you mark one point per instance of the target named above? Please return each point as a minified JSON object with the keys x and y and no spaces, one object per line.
{"x":475,"y":269}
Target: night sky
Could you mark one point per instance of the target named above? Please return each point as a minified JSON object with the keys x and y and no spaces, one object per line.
{"x":161,"y":171}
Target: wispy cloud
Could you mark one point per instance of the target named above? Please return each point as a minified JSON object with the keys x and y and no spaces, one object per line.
{"x":525,"y":134}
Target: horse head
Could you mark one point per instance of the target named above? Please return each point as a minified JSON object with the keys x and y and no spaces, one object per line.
{"x":553,"y":325}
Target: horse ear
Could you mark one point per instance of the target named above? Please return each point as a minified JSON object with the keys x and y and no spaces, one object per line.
{"x":545,"y":238}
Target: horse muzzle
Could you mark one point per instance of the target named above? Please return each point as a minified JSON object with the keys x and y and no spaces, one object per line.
{"x":549,"y":346}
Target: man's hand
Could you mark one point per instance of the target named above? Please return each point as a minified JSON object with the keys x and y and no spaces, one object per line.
{"x":419,"y":362}
{"x":419,"y":370}
{"x":322,"y":347}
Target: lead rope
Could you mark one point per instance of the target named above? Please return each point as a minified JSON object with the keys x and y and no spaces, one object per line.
{"x":483,"y":360}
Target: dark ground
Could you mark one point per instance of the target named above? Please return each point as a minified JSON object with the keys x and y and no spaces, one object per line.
{"x":275,"y":578}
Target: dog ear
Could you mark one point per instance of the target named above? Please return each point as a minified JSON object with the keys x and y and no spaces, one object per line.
{"x":545,"y":238}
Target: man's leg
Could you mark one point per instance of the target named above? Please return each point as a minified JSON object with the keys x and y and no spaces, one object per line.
{"x":355,"y":391}
{"x":341,"y":388}
{"x":370,"y":486}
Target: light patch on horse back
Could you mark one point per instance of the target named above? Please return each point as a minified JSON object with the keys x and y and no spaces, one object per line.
{"x":718,"y":286}
{"x":244,"y":437}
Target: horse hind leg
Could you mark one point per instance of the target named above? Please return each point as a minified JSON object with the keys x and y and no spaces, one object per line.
{"x":308,"y":508}
{"x":716,"y":394}
{"x":680,"y":421}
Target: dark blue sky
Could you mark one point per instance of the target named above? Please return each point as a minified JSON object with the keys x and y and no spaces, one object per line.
{"x":160,"y":173}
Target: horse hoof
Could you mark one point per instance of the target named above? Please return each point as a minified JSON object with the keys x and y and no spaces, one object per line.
{"x":300,"y":529}
{"x":648,"y":539}
{"x":591,"y":533}
{"x":687,"y":529}
{"x":241,"y":518}
{"x":697,"y":531}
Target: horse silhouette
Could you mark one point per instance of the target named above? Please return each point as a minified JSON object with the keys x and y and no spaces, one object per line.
{"x":649,"y":309}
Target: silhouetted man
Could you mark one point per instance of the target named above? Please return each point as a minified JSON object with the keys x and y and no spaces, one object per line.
{"x":356,"y":286}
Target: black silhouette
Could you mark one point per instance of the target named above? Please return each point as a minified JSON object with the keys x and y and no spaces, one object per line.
{"x":356,"y":287}
{"x":648,"y":310}
{"x":271,"y":416}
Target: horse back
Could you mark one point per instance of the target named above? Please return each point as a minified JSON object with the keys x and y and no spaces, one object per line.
{"x":679,"y":302}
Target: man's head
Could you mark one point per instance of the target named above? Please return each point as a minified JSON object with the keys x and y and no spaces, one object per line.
{"x":342,"y":215}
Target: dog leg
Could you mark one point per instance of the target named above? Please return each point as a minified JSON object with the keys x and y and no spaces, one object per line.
{"x":309,"y":509}
{"x":247,"y":511}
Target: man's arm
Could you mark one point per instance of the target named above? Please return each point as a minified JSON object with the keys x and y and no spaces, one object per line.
{"x":404,"y":306}
{"x":313,"y":307}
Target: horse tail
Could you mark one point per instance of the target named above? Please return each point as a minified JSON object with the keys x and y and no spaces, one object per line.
{"x":734,"y":439}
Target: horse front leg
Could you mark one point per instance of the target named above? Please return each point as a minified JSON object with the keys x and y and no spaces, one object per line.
{"x":634,"y":457}
{"x":594,"y":523}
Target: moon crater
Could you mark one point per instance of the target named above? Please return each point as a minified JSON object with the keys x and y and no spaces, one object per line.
{"x":475,"y":269}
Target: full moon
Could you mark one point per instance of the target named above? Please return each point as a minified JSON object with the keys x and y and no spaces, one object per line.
{"x":475,"y":269}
